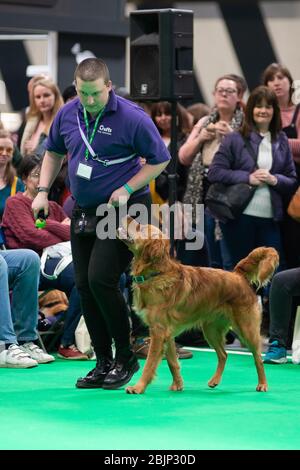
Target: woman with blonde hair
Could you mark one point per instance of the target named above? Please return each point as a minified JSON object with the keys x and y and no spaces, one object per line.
{"x":45,"y":101}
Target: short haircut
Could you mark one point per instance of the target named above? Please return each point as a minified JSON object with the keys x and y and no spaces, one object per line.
{"x":259,"y":95}
{"x":91,"y":69}
{"x":239,"y":81}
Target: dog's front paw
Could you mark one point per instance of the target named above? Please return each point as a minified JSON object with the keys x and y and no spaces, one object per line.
{"x":176,"y":387}
{"x":262,"y":388}
{"x":213,"y":382}
{"x":135,"y":389}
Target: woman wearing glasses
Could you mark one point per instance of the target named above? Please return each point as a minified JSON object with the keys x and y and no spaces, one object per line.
{"x":9,"y":182}
{"x":199,"y":149}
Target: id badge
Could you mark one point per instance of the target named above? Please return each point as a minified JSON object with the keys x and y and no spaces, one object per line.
{"x":84,"y":171}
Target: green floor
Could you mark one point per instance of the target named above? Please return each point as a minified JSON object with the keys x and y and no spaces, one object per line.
{"x":41,"y":409}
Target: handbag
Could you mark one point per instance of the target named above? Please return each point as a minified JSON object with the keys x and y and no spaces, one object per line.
{"x":84,"y":222}
{"x":59,"y":250}
{"x":294,"y":206}
{"x":228,"y":201}
{"x":82,"y":337}
{"x":53,"y":301}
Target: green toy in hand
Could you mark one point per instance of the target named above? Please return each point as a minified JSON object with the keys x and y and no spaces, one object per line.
{"x":41,"y":220}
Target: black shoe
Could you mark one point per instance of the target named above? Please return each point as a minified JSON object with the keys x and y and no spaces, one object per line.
{"x":121,"y":373}
{"x":96,"y":376}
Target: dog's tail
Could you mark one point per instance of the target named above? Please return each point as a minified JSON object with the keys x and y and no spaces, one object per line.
{"x":259,"y":266}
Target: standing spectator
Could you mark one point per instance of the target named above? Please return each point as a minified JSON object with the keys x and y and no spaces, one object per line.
{"x":162,"y":118}
{"x":104,"y":135}
{"x":279,"y":79}
{"x":198,"y":152}
{"x":273,"y":175}
{"x":198,"y":111}
{"x":45,"y":101}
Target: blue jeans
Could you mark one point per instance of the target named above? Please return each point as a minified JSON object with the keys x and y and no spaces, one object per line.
{"x":20,"y":273}
{"x":66,"y":283}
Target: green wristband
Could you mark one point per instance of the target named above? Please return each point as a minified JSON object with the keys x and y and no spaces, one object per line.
{"x":128,"y":188}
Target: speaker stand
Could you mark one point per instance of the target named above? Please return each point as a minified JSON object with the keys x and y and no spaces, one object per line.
{"x":172,"y":172}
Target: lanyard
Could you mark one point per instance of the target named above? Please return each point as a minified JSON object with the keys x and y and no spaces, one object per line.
{"x":86,"y":121}
{"x":90,"y":149}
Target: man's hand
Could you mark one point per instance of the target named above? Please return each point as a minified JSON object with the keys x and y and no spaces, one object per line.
{"x":40,"y":202}
{"x":118,"y":198}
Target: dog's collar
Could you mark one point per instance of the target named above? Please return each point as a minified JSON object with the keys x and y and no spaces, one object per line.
{"x":142,"y":278}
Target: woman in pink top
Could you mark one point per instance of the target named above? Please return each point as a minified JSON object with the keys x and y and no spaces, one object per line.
{"x":279,"y":79}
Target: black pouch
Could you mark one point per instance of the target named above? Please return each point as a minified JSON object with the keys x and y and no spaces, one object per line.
{"x":84,"y":223}
{"x":227,"y":202}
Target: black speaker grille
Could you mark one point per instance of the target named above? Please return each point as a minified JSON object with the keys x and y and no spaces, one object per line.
{"x":144,"y":72}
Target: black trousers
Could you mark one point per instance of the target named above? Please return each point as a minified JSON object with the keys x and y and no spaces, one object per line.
{"x":285,"y":286}
{"x":98,"y":266}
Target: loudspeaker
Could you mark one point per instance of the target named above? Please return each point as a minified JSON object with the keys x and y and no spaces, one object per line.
{"x":161,"y":54}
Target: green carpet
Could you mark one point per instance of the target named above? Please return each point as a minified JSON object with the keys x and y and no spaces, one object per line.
{"x":41,"y":409}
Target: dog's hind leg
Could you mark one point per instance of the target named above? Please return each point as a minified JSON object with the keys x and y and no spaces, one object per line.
{"x":173,"y":363}
{"x":250,"y":335}
{"x":155,"y":354}
{"x":215,"y":336}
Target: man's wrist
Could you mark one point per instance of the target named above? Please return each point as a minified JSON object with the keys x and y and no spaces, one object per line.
{"x":43,"y":189}
{"x":128,"y":188}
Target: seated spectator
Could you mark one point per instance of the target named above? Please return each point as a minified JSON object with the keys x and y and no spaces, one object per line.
{"x":59,"y":191}
{"x":19,"y":271}
{"x":284,"y":287}
{"x":21,"y":232}
{"x":9,"y":182}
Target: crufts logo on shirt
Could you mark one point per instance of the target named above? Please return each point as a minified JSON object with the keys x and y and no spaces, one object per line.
{"x":105,"y":130}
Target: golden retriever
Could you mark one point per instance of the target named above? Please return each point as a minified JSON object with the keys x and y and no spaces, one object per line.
{"x":171,"y":298}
